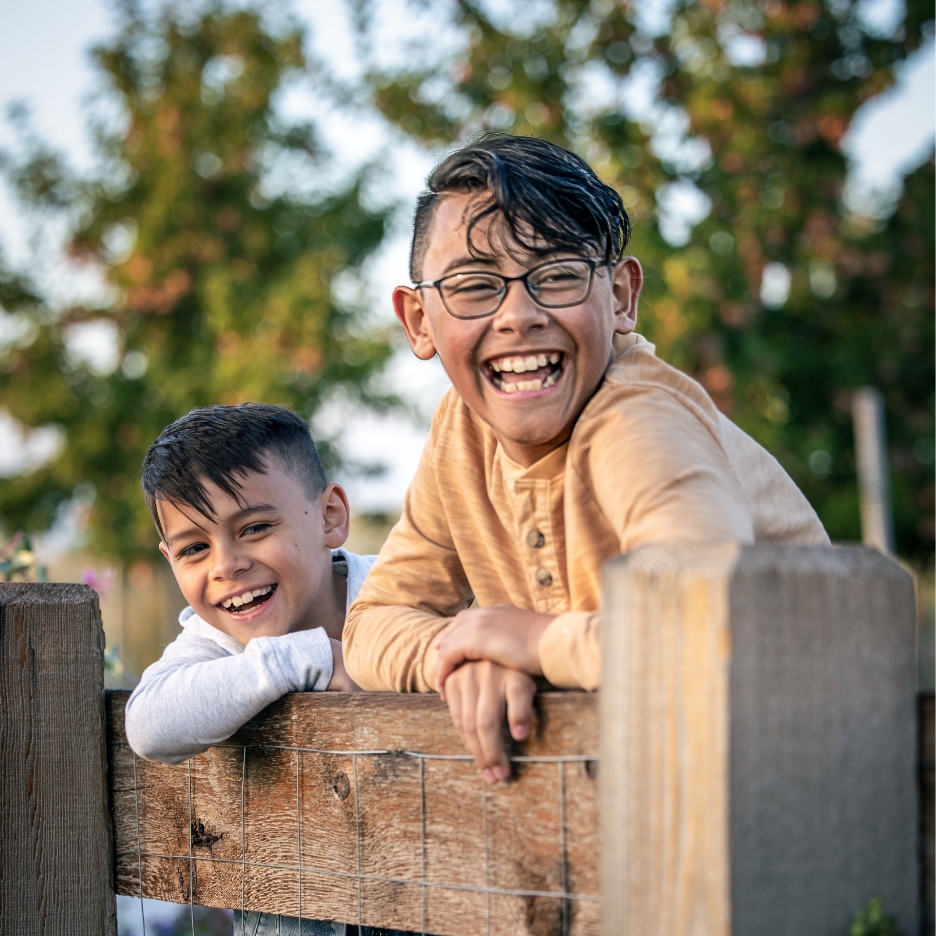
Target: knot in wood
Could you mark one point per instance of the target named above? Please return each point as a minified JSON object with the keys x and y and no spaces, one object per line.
{"x":201,"y":837}
{"x":342,"y":786}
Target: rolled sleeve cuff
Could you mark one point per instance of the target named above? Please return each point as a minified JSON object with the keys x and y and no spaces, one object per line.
{"x":570,"y":650}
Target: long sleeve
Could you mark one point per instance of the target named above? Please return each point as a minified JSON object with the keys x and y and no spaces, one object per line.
{"x":416,"y":585}
{"x":679,"y":487}
{"x":197,"y":694}
{"x":650,"y":459}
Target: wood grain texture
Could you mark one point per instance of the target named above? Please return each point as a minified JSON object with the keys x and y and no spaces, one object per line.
{"x":758,"y":741}
{"x":55,"y":845}
{"x":664,"y":744}
{"x":362,"y":807}
{"x":823,"y":740}
{"x":926,"y":709}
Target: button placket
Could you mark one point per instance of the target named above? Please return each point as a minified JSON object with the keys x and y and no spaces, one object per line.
{"x":536,"y":539}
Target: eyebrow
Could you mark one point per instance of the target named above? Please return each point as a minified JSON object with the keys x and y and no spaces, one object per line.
{"x":544,"y":257}
{"x":241,"y":515}
{"x":468,"y":261}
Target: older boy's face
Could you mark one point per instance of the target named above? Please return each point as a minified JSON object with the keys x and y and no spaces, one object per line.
{"x":531,"y":407}
{"x":262,"y":567}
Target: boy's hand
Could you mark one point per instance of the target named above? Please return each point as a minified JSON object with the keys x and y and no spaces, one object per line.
{"x":478,"y":694}
{"x":499,"y":633}
{"x":340,"y":681}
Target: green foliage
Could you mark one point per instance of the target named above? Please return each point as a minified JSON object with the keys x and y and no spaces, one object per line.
{"x":17,"y":560}
{"x":221,"y":291}
{"x":872,"y":921}
{"x":760,"y":138}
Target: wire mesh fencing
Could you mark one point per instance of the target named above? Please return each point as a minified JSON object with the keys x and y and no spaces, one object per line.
{"x":366,"y":810}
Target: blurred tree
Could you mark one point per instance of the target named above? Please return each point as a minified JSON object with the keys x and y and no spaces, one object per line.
{"x":781,"y":299}
{"x":221,"y":289}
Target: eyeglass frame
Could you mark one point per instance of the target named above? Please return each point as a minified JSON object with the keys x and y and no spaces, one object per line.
{"x":507,"y":280}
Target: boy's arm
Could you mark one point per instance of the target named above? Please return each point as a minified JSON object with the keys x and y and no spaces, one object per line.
{"x":680,"y":488}
{"x":658,"y":475}
{"x":197,"y":695}
{"x":414,"y":589}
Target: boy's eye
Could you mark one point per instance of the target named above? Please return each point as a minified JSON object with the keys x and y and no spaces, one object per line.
{"x":193,"y":550}
{"x":473,"y":286}
{"x":256,"y":528}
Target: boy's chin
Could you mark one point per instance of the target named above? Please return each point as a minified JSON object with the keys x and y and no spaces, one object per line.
{"x":529,"y":431}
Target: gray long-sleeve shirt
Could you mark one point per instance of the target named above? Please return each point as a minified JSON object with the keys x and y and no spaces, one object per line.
{"x":206,"y":685}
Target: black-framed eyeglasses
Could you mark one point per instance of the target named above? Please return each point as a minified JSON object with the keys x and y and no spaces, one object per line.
{"x":554,"y":285}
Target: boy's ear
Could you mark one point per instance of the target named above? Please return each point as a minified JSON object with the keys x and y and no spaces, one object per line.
{"x":626,"y":283}
{"x":336,"y":515}
{"x":409,"y":309}
{"x":164,"y":549}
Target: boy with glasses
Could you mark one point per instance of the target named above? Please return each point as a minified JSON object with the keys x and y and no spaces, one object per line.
{"x":563,"y":442}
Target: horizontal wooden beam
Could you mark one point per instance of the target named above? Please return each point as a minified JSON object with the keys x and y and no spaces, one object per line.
{"x":365,"y":808}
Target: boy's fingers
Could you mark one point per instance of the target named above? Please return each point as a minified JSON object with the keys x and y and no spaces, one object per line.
{"x":461,"y":697}
{"x":520,"y":691}
{"x":491,"y":707}
{"x":446,"y":664}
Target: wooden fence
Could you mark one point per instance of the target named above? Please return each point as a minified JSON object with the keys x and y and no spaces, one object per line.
{"x":759,"y":774}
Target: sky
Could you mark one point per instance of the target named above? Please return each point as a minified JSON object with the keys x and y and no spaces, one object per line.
{"x":44,"y":62}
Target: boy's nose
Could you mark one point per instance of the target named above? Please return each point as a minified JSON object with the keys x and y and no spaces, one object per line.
{"x":229,"y":562}
{"x":519,"y":312}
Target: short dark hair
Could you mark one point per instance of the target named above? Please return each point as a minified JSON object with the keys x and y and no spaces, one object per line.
{"x":222,"y":444}
{"x":547,"y":195}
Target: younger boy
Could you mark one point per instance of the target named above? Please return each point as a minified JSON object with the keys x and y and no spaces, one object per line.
{"x":253,"y":532}
{"x":563,"y":441}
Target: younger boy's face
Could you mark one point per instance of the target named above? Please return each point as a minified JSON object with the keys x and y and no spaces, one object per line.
{"x":262,"y":567}
{"x":531,"y":408}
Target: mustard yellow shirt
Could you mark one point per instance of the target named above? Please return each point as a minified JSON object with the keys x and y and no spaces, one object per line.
{"x":650,"y":459}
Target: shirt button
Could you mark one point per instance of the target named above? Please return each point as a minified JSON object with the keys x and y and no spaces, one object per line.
{"x":543,"y":577}
{"x":535,"y":539}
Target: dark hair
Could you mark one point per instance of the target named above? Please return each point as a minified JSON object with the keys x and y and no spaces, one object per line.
{"x":222,"y":444}
{"x":547,"y":195}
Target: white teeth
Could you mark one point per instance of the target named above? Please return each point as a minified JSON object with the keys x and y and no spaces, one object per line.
{"x":247,"y":597}
{"x":520,"y":365}
{"x":523,"y":385}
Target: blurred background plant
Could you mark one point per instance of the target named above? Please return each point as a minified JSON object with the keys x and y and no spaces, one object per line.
{"x":18,"y":560}
{"x":873,"y":921}
{"x":235,"y":249}
{"x":721,"y":123}
{"x":218,"y":254}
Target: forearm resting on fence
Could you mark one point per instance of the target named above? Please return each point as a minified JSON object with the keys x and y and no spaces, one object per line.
{"x":180,"y":709}
{"x":388,"y":648}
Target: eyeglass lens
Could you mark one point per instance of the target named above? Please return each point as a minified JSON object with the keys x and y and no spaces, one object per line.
{"x":554,"y":285}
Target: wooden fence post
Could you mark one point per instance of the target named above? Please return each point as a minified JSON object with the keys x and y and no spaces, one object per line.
{"x":757,"y":746}
{"x":55,"y":842}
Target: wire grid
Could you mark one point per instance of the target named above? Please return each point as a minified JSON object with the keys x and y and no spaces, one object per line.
{"x":563,"y":895}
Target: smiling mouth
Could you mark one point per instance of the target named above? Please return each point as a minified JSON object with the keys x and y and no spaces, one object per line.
{"x":516,"y":373}
{"x":249,"y":600}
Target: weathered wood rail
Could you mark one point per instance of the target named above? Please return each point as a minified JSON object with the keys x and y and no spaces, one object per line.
{"x":759,"y":774}
{"x":367,"y":808}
